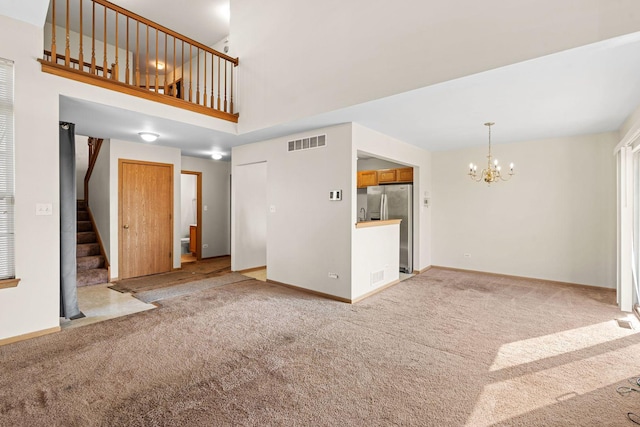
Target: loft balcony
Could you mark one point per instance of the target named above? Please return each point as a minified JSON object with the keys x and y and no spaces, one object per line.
{"x":100,"y":43}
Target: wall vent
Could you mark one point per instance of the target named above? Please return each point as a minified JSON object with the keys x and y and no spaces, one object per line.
{"x":307,"y":143}
{"x":377,"y":276}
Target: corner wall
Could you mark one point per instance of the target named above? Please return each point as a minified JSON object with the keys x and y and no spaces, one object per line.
{"x":308,"y":236}
{"x":554,"y":220}
{"x":99,"y":196}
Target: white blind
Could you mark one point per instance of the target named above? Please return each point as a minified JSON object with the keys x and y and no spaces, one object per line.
{"x":7,"y":188}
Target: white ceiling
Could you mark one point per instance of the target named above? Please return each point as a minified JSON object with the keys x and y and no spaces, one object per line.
{"x":587,"y":90}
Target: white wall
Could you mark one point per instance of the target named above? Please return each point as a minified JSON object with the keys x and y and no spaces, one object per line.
{"x":308,"y":236}
{"x":148,"y":153}
{"x":99,"y":196}
{"x":34,"y":304}
{"x":82,"y":164}
{"x":250,"y":216}
{"x":216,"y":195}
{"x":554,"y":220}
{"x":364,"y":50}
{"x":390,"y":149}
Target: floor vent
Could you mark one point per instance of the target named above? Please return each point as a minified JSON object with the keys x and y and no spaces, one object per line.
{"x":307,"y":143}
{"x":377,"y":276}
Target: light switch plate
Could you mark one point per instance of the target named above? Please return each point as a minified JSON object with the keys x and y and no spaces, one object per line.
{"x":44,"y":209}
{"x":335,"y":195}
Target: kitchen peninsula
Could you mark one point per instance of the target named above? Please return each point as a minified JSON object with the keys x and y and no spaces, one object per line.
{"x":376,"y":250}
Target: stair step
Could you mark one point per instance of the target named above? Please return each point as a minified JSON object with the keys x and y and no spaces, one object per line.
{"x":87,"y":249}
{"x":92,"y":277}
{"x":83,"y":216}
{"x":85,"y":226}
{"x":86,"y":237}
{"x":81,"y":205}
{"x":89,"y":262}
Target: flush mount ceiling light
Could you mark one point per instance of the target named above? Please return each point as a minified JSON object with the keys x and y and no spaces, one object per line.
{"x":493,"y":171}
{"x":148,"y":136}
{"x":216,"y":156}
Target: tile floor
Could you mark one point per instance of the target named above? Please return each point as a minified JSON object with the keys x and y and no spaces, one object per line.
{"x":100,"y":303}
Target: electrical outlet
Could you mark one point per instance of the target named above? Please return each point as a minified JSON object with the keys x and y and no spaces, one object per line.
{"x":205,"y":246}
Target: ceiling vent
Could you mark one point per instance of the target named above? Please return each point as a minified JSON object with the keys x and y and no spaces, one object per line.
{"x":307,"y":143}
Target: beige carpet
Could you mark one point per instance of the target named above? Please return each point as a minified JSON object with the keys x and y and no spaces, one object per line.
{"x":440,"y":349}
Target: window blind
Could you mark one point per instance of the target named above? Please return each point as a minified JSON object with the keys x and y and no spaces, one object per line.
{"x":7,"y":188}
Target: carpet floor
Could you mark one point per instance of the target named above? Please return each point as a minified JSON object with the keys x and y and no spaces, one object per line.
{"x":440,"y":349}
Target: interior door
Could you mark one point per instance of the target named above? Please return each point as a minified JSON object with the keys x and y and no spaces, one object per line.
{"x":146,"y":218}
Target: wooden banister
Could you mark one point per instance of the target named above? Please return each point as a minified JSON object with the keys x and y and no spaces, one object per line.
{"x":94,"y":150}
{"x":162,"y":70}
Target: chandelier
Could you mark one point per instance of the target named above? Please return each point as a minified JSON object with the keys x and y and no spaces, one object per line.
{"x":493,"y":171}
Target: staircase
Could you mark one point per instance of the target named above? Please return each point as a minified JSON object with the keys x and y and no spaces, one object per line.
{"x":91,"y":265}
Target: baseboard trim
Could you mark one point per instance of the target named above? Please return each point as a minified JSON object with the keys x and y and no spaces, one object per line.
{"x":213,"y":257}
{"x":427,"y":268}
{"x":30,"y":335}
{"x":249,"y":270}
{"x":509,"y":276}
{"x":375,"y":291}
{"x":309,"y":291}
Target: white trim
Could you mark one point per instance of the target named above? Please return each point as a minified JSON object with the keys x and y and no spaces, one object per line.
{"x":629,"y":138}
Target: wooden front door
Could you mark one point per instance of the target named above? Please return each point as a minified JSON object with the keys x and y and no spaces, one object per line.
{"x":145,"y":218}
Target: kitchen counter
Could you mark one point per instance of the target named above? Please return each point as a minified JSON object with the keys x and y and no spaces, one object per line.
{"x":377,"y":223}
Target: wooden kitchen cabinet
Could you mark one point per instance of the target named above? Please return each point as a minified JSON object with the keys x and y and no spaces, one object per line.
{"x":405,"y":175}
{"x":386,"y":176}
{"x":367,"y":178}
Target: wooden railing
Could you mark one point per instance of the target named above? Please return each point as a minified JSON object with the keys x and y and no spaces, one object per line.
{"x":106,"y":45}
{"x":94,"y":149}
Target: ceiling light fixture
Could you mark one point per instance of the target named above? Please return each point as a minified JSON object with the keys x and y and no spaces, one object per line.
{"x":148,"y":136}
{"x":216,"y":156}
{"x":492,"y":172}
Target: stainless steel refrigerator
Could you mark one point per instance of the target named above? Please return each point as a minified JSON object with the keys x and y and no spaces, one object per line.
{"x":395,"y":201}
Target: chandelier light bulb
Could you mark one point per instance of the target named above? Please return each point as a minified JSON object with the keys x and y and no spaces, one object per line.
{"x":495,"y":162}
{"x":511,"y":166}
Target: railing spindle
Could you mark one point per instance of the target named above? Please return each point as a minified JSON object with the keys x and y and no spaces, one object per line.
{"x":219,"y":60}
{"x":93,"y":40}
{"x":198,"y":76}
{"x":126,"y":69}
{"x":190,"y":73}
{"x":146,"y":63}
{"x":231,"y":90}
{"x":53,"y":31}
{"x":156,"y":80}
{"x":204,"y":79}
{"x":183,"y":79}
{"x":225,"y":85}
{"x":67,"y":49}
{"x":166,"y":66}
{"x":115,"y":72}
{"x":213,"y":58}
{"x":81,"y":53}
{"x":105,"y":64}
{"x":137,"y":54}
{"x":175,"y":83}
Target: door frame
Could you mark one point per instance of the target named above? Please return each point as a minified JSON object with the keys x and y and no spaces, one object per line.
{"x":120,"y":209}
{"x":198,"y":210}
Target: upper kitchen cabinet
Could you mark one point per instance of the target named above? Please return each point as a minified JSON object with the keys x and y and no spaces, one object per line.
{"x":405,"y":175}
{"x":386,"y":176}
{"x":367,"y":178}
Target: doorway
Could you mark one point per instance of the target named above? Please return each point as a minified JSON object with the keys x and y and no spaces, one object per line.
{"x":145,"y":218}
{"x":190,"y":216}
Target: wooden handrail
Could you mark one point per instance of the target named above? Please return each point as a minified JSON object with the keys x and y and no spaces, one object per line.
{"x":132,"y":58}
{"x":94,"y":150}
{"x":164,"y":29}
